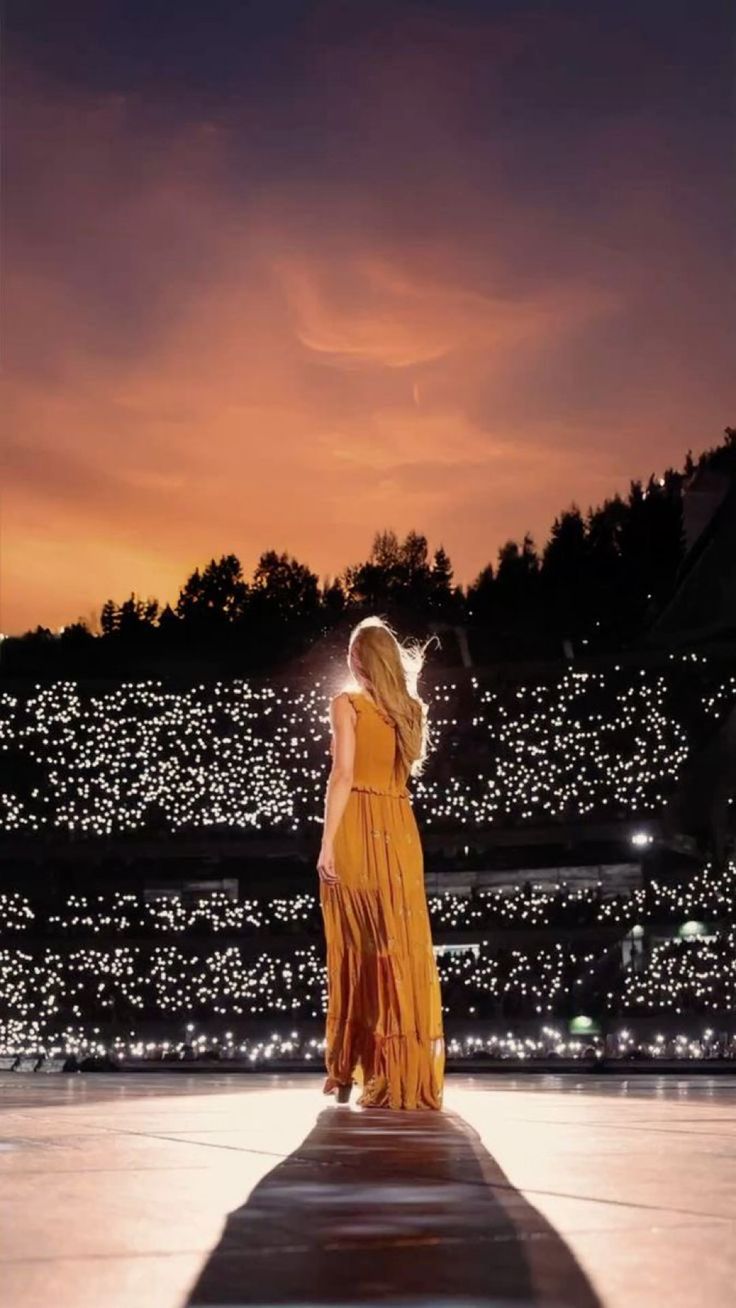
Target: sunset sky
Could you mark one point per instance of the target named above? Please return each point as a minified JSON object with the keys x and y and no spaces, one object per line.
{"x":280,"y":274}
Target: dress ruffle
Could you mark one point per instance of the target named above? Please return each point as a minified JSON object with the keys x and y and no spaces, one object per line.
{"x":378,"y":790}
{"x":400,"y":1071}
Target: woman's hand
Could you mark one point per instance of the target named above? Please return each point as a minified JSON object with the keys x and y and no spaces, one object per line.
{"x":326,"y":865}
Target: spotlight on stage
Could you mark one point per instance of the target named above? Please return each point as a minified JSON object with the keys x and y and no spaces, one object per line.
{"x":641,"y":839}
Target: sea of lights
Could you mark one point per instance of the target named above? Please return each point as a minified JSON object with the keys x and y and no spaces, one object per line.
{"x":707,"y":895}
{"x":130,"y":914}
{"x":46,"y":990}
{"x":243,"y":756}
{"x":684,"y":976}
{"x":296,"y":1048}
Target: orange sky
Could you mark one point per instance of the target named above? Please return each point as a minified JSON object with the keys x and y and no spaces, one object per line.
{"x":219,"y":343}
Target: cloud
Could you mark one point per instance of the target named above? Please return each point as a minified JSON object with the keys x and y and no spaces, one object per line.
{"x":288,"y":323}
{"x":366,"y":312}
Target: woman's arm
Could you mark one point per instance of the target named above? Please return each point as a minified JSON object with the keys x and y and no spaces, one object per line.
{"x":340,"y":780}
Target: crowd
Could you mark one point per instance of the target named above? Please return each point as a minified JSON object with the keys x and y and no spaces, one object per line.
{"x":75,"y":1051}
{"x":245,"y":756}
{"x":48,"y":990}
{"x":117,"y":960}
{"x":84,"y":972}
{"x":136,"y":916}
{"x":684,"y":976}
{"x":707,"y":895}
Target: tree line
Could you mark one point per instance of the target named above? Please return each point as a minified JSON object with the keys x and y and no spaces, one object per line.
{"x":599,"y":580}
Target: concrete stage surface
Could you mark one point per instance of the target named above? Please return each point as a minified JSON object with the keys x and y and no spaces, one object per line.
{"x":163,"y":1190}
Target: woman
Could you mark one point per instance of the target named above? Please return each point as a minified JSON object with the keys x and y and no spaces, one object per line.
{"x":384,"y":1019}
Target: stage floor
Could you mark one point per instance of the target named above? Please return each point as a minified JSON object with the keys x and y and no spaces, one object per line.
{"x":165,"y":1190}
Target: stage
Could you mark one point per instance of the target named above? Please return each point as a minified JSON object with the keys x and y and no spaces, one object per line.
{"x":174,"y":1190}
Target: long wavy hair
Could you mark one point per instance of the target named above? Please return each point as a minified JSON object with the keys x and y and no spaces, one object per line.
{"x":388,"y":670}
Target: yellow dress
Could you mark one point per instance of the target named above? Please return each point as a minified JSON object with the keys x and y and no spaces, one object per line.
{"x":384,"y":1027}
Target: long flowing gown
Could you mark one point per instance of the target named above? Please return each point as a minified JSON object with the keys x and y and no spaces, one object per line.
{"x":384,"y":1028}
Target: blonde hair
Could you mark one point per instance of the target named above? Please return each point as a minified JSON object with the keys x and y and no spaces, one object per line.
{"x":389,"y":671}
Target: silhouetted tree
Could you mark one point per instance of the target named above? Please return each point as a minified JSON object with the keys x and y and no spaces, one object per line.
{"x":109,"y":618}
{"x":510,"y":601}
{"x":565,"y":577}
{"x":369,"y":584}
{"x":517,"y":574}
{"x":386,"y":551}
{"x":722,"y":458}
{"x":607,"y":580}
{"x":414,"y":573}
{"x":652,"y":544}
{"x":135,"y":614}
{"x":168,"y":623}
{"x":481,"y":598}
{"x":215,"y":597}
{"x":396,"y":577}
{"x":334,"y":599}
{"x":77,"y":634}
{"x":443,"y":601}
{"x":283,"y":590}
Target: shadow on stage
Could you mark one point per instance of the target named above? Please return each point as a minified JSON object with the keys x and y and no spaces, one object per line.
{"x":390,"y":1207}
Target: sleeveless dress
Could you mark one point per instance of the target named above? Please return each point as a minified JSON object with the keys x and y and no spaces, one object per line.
{"x":384,"y":1027}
